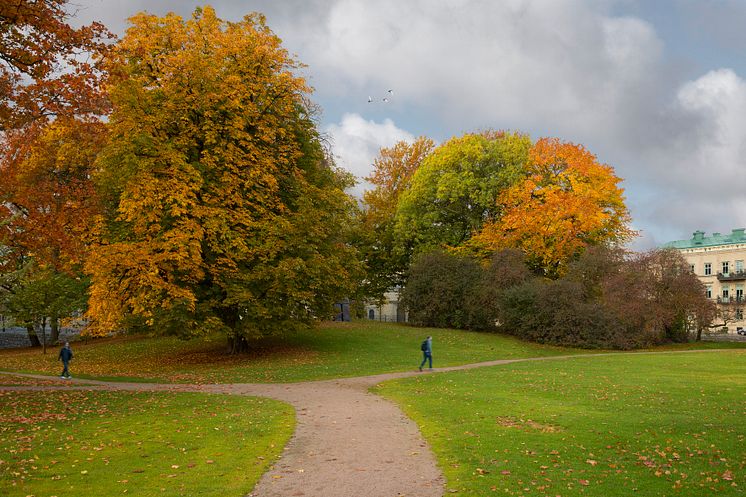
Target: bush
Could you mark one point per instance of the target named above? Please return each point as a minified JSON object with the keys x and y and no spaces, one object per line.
{"x":606,"y":299}
{"x":438,"y":286}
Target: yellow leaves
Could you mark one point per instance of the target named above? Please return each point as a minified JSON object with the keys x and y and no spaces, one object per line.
{"x":217,"y":183}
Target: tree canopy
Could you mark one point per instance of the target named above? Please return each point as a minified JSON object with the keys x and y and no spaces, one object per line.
{"x":222,"y":210}
{"x":567,"y":202}
{"x":455,"y":190}
{"x":47,"y":67}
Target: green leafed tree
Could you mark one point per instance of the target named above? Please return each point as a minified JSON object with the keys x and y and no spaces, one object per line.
{"x":222,"y":211}
{"x":454,"y":191}
{"x":37,"y":296}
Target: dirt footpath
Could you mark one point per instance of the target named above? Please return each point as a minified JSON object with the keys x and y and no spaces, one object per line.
{"x":347,"y":442}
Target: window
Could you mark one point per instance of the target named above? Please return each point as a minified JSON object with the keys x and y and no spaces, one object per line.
{"x":725,"y":294}
{"x":708,"y":291}
{"x":739,"y":293}
{"x":739,"y":266}
{"x":708,"y":269}
{"x":739,"y":314}
{"x":691,"y":268}
{"x":726,"y":268}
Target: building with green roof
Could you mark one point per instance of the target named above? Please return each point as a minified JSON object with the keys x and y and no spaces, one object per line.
{"x":718,"y":261}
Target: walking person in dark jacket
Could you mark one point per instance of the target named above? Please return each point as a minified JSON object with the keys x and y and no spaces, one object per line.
{"x":66,"y":355}
{"x":427,"y":352}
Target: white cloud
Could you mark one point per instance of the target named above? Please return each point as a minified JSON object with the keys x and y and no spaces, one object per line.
{"x":719,"y":99}
{"x":356,"y":142}
{"x":699,"y":174}
{"x":561,"y":65}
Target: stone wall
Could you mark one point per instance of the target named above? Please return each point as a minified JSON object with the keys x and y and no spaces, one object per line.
{"x":14,"y":337}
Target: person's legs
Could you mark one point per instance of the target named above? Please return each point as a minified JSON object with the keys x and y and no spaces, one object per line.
{"x":430,"y":358}
{"x":424,"y":360}
{"x":65,"y":372}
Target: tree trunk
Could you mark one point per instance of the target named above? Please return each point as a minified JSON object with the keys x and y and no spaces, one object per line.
{"x":54,"y":326}
{"x":32,"y":336}
{"x":699,"y":334}
{"x":237,"y":345}
{"x":43,"y":327}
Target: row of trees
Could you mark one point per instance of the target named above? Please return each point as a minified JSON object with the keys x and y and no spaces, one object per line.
{"x":494,"y":231}
{"x":606,"y":299}
{"x":484,"y":192}
{"x":176,"y":183}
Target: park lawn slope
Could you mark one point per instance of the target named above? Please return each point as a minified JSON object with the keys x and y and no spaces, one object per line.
{"x":333,"y":350}
{"x":98,"y":443}
{"x":653,"y":425}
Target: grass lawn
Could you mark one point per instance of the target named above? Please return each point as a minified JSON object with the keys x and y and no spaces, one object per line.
{"x":333,"y":350}
{"x":96,"y":443}
{"x":650,"y":425}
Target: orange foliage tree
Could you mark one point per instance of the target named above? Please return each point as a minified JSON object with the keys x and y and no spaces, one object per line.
{"x":222,"y":212}
{"x":47,"y":67}
{"x":567,"y":202}
{"x":47,"y":193}
{"x":392,"y":174}
{"x":48,"y":204}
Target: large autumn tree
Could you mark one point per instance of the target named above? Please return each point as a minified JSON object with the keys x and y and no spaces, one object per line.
{"x":567,"y":202}
{"x":222,"y":211}
{"x":51,"y":93}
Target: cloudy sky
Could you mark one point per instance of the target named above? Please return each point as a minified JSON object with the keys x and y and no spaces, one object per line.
{"x":655,"y":89}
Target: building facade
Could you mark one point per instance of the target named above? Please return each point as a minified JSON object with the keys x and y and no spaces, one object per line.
{"x":718,"y":261}
{"x":389,"y":310}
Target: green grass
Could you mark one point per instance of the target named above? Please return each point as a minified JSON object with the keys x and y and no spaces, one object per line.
{"x":95,"y":443}
{"x":333,"y":350}
{"x":652,"y":425}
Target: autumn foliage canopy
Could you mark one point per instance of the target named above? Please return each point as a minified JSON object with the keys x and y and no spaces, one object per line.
{"x":222,"y":211}
{"x":567,"y":202}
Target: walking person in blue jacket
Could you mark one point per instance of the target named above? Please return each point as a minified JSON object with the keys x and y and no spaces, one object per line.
{"x":66,"y":355}
{"x":427,"y":352}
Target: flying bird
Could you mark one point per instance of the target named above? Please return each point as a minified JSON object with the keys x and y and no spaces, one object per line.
{"x":384,"y":99}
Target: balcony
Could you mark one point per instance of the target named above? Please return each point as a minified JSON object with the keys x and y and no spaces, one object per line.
{"x":732,"y":276}
{"x":731,"y":300}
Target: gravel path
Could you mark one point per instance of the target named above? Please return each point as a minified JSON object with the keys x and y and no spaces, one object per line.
{"x":347,"y":442}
